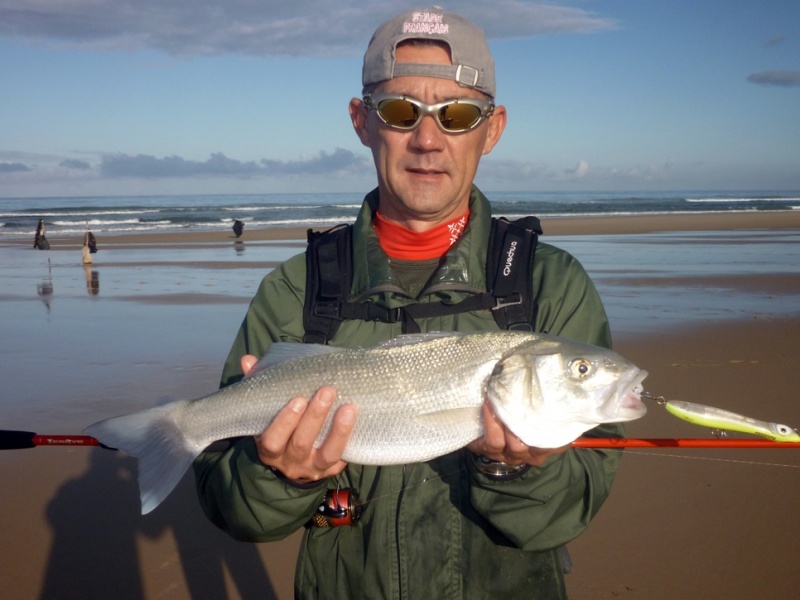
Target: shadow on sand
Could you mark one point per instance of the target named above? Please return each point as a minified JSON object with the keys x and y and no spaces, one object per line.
{"x":97,"y":525}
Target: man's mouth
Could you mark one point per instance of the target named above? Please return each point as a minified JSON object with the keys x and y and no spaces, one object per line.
{"x":419,"y":171}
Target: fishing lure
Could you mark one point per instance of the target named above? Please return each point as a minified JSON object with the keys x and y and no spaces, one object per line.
{"x":717,"y":418}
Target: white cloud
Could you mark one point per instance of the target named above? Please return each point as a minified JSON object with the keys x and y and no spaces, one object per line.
{"x":263,"y":28}
{"x":80,"y":165}
{"x":513,"y":174}
{"x":778,"y":78}
{"x":340,"y":163}
{"x":7,"y":167}
{"x":36,"y":157}
{"x":337,"y":164}
{"x":580,"y":170}
{"x":775,"y":41}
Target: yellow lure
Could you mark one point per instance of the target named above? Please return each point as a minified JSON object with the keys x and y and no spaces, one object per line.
{"x":716,"y":418}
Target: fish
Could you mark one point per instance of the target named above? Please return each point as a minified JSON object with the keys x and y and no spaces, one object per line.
{"x":418,"y":396}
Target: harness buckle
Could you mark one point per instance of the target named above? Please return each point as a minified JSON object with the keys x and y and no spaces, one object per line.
{"x":512,"y":300}
{"x":376,"y":312}
{"x":329,"y":310}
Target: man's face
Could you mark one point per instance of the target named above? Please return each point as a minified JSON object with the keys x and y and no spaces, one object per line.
{"x":425,"y":175}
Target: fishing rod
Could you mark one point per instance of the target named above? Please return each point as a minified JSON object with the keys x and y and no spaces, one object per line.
{"x":11,"y":439}
{"x":343,"y":507}
{"x":777,"y":435}
{"x":598,"y":443}
{"x":18,"y":440}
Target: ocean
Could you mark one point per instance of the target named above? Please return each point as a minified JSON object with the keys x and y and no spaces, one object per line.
{"x":143,"y":214}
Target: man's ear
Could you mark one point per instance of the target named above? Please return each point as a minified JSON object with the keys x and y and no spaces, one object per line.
{"x":358,"y":116}
{"x":497,"y":123}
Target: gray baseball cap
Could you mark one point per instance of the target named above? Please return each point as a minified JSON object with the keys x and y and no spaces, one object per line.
{"x":472,"y":63}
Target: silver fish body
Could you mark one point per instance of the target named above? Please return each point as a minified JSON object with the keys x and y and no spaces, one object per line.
{"x":417,"y":397}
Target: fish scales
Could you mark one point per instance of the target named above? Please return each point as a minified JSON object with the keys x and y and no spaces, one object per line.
{"x":414,"y":402}
{"x":417,"y":397}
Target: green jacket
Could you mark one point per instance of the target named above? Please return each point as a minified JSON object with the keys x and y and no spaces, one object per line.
{"x":438,"y":529}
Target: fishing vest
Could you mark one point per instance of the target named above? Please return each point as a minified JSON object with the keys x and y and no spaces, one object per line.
{"x":509,"y":267}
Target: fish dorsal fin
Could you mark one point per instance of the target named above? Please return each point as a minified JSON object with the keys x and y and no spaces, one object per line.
{"x":280,"y":352}
{"x":408,"y":339}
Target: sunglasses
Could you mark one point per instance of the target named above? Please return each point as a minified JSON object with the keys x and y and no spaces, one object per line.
{"x":452,"y":116}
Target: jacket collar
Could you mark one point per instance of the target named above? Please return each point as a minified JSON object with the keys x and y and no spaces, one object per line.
{"x":463,"y":268}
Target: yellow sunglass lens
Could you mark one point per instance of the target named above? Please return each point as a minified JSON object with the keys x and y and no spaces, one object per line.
{"x":457,"y":117}
{"x":403,"y":114}
{"x":398,"y":113}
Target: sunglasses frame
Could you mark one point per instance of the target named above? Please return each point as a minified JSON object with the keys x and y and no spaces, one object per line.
{"x":373,"y":101}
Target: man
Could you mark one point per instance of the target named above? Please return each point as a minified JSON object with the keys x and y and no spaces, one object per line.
{"x":488,"y":520}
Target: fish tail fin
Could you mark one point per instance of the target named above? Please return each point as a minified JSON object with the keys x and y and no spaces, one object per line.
{"x":162,"y":451}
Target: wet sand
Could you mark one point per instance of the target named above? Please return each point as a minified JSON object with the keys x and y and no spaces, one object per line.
{"x":152,"y":319}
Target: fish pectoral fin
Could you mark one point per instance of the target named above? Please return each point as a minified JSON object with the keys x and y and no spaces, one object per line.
{"x":449,"y":417}
{"x":280,"y":352}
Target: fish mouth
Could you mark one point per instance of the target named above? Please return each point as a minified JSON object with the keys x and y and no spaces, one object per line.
{"x":627,"y":403}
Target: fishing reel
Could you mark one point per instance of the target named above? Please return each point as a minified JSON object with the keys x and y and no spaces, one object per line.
{"x":340,"y":507}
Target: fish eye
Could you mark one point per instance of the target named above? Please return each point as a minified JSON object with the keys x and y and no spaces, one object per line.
{"x":580,"y":368}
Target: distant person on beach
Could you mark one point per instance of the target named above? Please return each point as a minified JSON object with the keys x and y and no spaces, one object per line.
{"x":89,"y":246}
{"x":489,"y":520}
{"x":238,"y":228}
{"x":90,"y":241}
{"x":40,"y":241}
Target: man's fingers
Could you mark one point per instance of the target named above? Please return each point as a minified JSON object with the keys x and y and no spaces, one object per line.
{"x":500,"y":444}
{"x":330,"y":453}
{"x":247,"y":362}
{"x":538,"y":456}
{"x":494,"y":437}
{"x":515,"y":446}
{"x":302,"y":441}
{"x":272,"y":443}
{"x":288,"y":443}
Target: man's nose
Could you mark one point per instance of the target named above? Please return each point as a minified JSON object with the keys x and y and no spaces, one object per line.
{"x":428,"y":136}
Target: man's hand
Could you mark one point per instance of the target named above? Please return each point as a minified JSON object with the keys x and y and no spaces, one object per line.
{"x":287,"y":444}
{"x":500,"y":444}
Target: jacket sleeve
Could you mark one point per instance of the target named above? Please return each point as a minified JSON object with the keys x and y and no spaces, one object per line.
{"x":548,"y":506}
{"x":237,"y":492}
{"x":249,"y":501}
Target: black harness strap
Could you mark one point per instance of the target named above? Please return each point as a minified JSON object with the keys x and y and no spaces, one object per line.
{"x":408,"y":315}
{"x":328,"y":278}
{"x":511,"y":298}
{"x":512,"y":248}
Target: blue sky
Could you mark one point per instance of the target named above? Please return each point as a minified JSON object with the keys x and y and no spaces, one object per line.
{"x":121,"y":97}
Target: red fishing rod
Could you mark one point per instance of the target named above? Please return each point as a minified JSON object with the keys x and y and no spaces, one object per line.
{"x":16,"y":440}
{"x":343,"y":506}
{"x":589,"y":442}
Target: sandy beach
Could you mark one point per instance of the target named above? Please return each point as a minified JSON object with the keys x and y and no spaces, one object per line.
{"x":709,"y":305}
